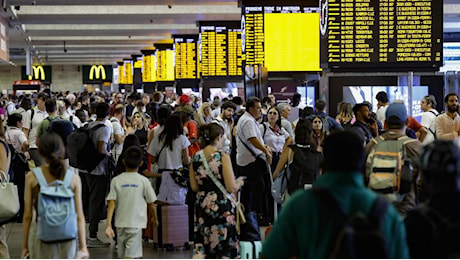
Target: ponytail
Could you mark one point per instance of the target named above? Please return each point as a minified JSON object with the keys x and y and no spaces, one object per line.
{"x":52,"y":148}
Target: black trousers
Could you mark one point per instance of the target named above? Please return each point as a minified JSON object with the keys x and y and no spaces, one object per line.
{"x":20,"y":168}
{"x":252,"y":193}
{"x":97,"y":186}
{"x":84,"y":193}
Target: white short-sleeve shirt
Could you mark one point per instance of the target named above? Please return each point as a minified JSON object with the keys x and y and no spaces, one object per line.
{"x":101,"y":134}
{"x":117,"y":130}
{"x":131,"y":192}
{"x":16,"y":138}
{"x":274,"y":140}
{"x":39,"y":116}
{"x":247,"y":128}
{"x":429,"y":121}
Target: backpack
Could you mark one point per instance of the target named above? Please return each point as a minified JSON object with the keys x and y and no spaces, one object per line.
{"x":445,"y":239}
{"x":358,"y":235}
{"x":304,"y":168}
{"x":429,"y":128}
{"x":83,"y":152}
{"x":386,"y":165}
{"x":61,"y":127}
{"x":57,"y":218}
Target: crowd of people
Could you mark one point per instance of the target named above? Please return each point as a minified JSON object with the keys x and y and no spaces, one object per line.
{"x":178,"y":150}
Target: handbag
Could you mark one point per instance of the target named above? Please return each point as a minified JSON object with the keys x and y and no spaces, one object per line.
{"x":9,"y":199}
{"x":240,"y":218}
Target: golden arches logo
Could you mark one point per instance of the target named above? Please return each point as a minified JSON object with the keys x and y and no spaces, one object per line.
{"x":37,"y":73}
{"x":99,"y":70}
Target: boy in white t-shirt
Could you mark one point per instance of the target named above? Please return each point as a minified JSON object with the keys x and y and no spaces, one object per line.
{"x":130,"y":194}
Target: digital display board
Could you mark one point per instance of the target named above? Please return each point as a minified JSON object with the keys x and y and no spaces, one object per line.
{"x":148,"y":66}
{"x":186,"y":56}
{"x":220,"y":48}
{"x":398,"y":35}
{"x":282,"y":38}
{"x":164,"y":62}
{"x":128,"y":71}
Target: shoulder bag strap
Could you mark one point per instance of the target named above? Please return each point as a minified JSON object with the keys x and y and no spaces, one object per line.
{"x":32,"y":112}
{"x":161,"y":150}
{"x":6,"y":148}
{"x":247,"y":147}
{"x":213,"y":178}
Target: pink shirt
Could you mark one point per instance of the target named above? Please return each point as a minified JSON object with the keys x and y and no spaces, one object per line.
{"x":446,"y":127}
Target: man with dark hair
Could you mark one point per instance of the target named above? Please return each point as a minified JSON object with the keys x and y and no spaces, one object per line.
{"x":96,"y":180}
{"x":361,"y":125}
{"x":308,"y":226}
{"x":382,"y":105}
{"x":11,"y":105}
{"x":409,"y":149}
{"x":448,"y":124}
{"x":330,"y":123}
{"x":32,"y":119}
{"x":252,"y":156}
{"x":225,"y":119}
{"x":51,"y":109}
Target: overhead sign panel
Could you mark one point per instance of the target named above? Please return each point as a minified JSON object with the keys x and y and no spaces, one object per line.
{"x":148,"y":66}
{"x":397,"y":35}
{"x":186,"y":56}
{"x":39,"y":72}
{"x":96,"y":74}
{"x":220,"y":48}
{"x":164,"y":62}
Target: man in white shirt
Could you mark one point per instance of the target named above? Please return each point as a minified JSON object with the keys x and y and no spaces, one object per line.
{"x":252,"y":155}
{"x":118,"y":131}
{"x":32,"y":120}
{"x":225,"y":119}
{"x":285,"y":110}
{"x":382,"y":105}
{"x":429,"y":116}
{"x":448,"y":124}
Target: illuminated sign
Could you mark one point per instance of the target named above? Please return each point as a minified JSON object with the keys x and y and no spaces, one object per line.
{"x":186,"y":56}
{"x":164,"y":62}
{"x":371,"y":35}
{"x":128,"y":71}
{"x":38,"y":72}
{"x":121,"y":73}
{"x":98,"y":71}
{"x":220,"y":48}
{"x":282,"y":38}
{"x":148,"y":66}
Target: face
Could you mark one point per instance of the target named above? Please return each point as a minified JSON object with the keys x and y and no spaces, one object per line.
{"x":145,"y":100}
{"x":207,"y":111}
{"x":19,"y":124}
{"x":317,"y":124}
{"x":40,"y":104}
{"x":228,"y":112}
{"x":425,"y":106}
{"x":286,"y":112}
{"x":365,"y":112}
{"x":119,"y":98}
{"x":273,"y":100}
{"x":452,"y":104}
{"x":272,"y":115}
{"x":256,"y":111}
{"x":137,"y":119}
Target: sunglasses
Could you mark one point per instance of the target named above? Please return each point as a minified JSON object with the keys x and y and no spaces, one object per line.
{"x":273,"y":113}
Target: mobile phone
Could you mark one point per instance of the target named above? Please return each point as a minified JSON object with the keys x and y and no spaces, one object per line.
{"x":307,"y":187}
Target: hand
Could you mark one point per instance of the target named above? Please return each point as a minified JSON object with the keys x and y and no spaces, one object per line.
{"x":82,"y":254}
{"x":25,"y":252}
{"x":155,"y":222}
{"x":109,"y":232}
{"x":240,"y":181}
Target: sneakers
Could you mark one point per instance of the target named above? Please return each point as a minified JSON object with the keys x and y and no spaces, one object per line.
{"x":95,"y":243}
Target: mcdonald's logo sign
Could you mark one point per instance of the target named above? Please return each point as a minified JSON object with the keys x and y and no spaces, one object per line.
{"x":38,"y":73}
{"x":97,"y":72}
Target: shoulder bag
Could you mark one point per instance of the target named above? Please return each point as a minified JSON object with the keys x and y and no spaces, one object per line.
{"x":9,"y":199}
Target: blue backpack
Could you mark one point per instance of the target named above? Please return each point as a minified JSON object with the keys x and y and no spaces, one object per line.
{"x":57,"y":218}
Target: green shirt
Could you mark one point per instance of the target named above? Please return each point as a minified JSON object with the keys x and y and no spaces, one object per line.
{"x":43,"y":126}
{"x":301,"y":232}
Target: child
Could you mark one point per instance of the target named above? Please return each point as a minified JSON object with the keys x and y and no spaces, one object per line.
{"x":130,"y":192}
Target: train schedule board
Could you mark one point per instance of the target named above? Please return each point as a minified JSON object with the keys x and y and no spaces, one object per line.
{"x":186,"y":56}
{"x":220,"y":48}
{"x":377,"y":35}
{"x":148,"y":66}
{"x":164,"y":62}
{"x":282,"y":38}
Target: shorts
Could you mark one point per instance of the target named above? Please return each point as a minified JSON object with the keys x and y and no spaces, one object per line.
{"x":129,"y":242}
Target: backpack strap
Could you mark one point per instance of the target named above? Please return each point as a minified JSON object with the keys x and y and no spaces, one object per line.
{"x":68,"y":177}
{"x":32,"y":113}
{"x":39,"y":176}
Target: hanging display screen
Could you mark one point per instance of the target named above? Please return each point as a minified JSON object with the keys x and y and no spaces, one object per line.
{"x":186,"y":56}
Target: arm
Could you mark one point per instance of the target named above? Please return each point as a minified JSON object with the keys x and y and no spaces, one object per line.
{"x":150,"y":137}
{"x":108,"y":228}
{"x":257,"y":144}
{"x":193,"y":182}
{"x":229,"y":178}
{"x":185,"y":157}
{"x":153,"y":211}
{"x":102,"y":148}
{"x":282,"y":162}
{"x":80,"y":215}
{"x":27,"y":218}
{"x":119,"y":138}
{"x":287,"y":142}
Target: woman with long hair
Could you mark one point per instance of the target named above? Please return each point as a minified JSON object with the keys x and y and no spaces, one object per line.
{"x":169,"y":150}
{"x":215,"y":215}
{"x":140,"y":128}
{"x":319,"y":132}
{"x":204,"y":114}
{"x":345,"y":117}
{"x":53,"y":151}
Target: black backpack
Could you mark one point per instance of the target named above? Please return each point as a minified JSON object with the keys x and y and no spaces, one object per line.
{"x":83,"y":152}
{"x":61,"y":127}
{"x":445,"y":240}
{"x":358,"y":235}
{"x":304,"y":168}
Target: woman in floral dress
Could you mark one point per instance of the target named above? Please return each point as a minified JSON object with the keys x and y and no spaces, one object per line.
{"x":215,"y":220}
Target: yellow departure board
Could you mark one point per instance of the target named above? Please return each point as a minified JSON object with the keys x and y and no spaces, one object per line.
{"x":128,"y":71}
{"x":282,"y":38}
{"x":382,"y":34}
{"x":148,"y":66}
{"x":165,"y":65}
{"x":220,"y":49}
{"x":121,"y":74}
{"x":186,"y":56}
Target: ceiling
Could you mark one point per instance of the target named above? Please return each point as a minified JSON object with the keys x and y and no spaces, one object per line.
{"x":104,"y":31}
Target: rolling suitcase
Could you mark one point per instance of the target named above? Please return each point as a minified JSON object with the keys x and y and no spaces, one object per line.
{"x":173,"y":228}
{"x":250,"y":249}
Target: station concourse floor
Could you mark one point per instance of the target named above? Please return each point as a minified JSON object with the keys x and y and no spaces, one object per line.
{"x":14,"y":240}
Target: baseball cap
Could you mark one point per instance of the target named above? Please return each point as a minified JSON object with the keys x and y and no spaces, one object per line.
{"x":398,"y":112}
{"x":184,"y":99}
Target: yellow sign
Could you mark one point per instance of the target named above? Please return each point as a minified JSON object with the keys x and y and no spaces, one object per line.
{"x":37,"y":73}
{"x":121,"y":74}
{"x":99,"y":70}
{"x":148,"y":69}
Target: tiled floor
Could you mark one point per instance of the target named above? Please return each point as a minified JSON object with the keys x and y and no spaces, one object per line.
{"x":15,"y":239}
